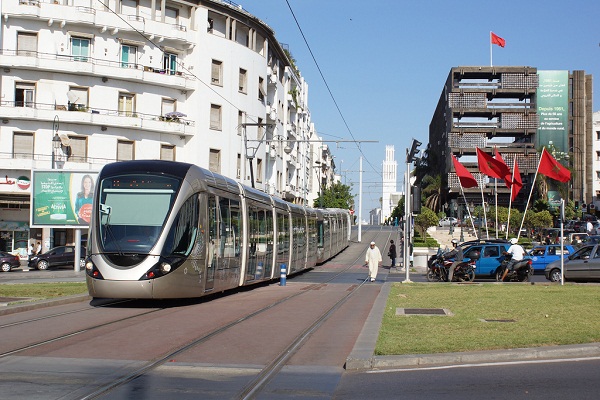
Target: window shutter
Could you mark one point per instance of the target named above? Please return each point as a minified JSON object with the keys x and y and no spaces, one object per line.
{"x":78,"y":149}
{"x":167,"y":152}
{"x":215,"y":117}
{"x":23,"y":145}
{"x":214,"y":161}
{"x":26,"y":44}
{"x":124,"y":151}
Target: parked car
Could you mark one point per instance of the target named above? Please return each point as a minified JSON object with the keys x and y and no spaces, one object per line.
{"x":56,"y":257}
{"x":489,"y":258}
{"x":448,"y":221}
{"x":8,"y":261}
{"x":545,"y":254}
{"x":583,"y":265}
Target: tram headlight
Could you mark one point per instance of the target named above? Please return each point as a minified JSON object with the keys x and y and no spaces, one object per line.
{"x":89,"y":265}
{"x":165,"y":267}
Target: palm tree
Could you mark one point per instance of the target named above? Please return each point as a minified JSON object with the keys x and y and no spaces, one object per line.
{"x":433,"y":193}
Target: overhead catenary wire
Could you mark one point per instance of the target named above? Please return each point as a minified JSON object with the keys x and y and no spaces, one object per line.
{"x":329,"y":89}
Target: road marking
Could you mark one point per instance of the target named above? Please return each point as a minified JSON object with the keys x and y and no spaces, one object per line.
{"x":488,"y":364}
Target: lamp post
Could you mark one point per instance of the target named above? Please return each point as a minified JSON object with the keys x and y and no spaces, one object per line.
{"x":55,"y":146}
{"x":580,"y":169}
{"x":460,"y":218}
{"x":471,"y":210}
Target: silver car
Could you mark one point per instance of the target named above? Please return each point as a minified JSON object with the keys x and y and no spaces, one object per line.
{"x":583,"y":265}
{"x":448,"y":221}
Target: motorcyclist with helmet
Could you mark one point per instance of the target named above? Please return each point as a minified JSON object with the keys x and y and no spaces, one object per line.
{"x":517,"y":253}
{"x":457,"y":254}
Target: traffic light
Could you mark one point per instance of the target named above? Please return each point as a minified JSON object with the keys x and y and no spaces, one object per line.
{"x":414,"y":150}
{"x":577,"y":204}
{"x":416,"y":199}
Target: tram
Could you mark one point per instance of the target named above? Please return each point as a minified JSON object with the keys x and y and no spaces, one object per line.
{"x":165,"y":229}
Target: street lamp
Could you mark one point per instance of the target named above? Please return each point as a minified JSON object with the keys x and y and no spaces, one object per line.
{"x":55,"y":141}
{"x":580,"y":169}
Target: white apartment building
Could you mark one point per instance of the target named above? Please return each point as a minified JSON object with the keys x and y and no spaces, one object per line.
{"x":390,"y":174}
{"x":203,"y":82}
{"x":596,"y":162}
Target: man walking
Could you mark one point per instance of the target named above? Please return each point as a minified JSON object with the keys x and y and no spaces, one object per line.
{"x":372,"y":260}
{"x":392,"y":253}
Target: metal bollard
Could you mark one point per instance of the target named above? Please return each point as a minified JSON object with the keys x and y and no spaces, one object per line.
{"x":283,"y":275}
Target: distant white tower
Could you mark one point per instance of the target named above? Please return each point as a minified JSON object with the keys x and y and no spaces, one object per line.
{"x":390,"y":169}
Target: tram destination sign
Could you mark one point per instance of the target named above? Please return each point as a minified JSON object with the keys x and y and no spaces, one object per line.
{"x":62,"y":198}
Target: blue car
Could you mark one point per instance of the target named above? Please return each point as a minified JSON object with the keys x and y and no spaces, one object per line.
{"x":490,"y":257}
{"x":545,"y":254}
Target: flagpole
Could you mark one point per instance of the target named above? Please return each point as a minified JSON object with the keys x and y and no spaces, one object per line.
{"x":468,"y":210}
{"x":529,"y":198}
{"x":491,"y":49}
{"x":496,"y":208}
{"x":487,"y":233}
{"x":510,"y":199}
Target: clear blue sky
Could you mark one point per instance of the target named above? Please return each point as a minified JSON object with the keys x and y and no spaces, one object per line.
{"x":386,"y":62}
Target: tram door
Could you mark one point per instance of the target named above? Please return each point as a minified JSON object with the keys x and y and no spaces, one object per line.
{"x":212,"y":242}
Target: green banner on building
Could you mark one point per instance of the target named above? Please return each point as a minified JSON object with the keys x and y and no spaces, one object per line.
{"x":553,"y":109}
{"x":62,"y":198}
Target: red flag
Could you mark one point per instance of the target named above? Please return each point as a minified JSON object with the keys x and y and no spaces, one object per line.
{"x":464,"y":176}
{"x":490,"y":166}
{"x":517,"y":182}
{"x":498,"y":40}
{"x":507,"y":177}
{"x":552,"y":168}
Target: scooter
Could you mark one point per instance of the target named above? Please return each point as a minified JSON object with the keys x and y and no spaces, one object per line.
{"x":521,"y":271}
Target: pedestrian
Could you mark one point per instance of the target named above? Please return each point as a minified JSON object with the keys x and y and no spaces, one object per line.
{"x":31,"y":251}
{"x":589,"y":228}
{"x":372,"y":260}
{"x":392,"y":253}
{"x":39,"y":248}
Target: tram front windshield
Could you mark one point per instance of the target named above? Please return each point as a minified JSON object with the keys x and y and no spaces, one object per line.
{"x":132,"y":210}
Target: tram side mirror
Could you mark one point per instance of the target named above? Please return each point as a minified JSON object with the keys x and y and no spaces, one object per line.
{"x":104,"y":209}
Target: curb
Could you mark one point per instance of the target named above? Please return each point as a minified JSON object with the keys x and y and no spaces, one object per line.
{"x":44,"y":303}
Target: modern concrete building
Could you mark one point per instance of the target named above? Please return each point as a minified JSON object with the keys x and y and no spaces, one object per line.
{"x":202,"y":82}
{"x":517,"y":110}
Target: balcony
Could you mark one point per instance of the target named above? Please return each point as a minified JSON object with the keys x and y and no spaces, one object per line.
{"x":89,"y":66}
{"x":59,"y":12}
{"x":84,"y":115}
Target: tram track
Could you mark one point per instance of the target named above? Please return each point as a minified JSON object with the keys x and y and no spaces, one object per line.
{"x":270,"y":370}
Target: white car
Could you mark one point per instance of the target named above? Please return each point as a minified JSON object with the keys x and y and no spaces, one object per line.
{"x":448,"y":221}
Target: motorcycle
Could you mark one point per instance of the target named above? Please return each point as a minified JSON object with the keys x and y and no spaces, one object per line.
{"x":521,"y":271}
{"x":438,"y":269}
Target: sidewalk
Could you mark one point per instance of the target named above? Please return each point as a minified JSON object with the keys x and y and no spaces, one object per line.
{"x":444,"y":238}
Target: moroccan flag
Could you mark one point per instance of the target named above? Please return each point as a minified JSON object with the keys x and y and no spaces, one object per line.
{"x":517,"y":182}
{"x":490,"y":166}
{"x":464,"y":176}
{"x":552,"y":168}
{"x":498,"y":40}
{"x":507,"y":177}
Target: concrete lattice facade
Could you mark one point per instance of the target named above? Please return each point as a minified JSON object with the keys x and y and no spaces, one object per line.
{"x":496,"y":107}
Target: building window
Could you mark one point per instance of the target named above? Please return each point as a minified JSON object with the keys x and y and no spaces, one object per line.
{"x":78,"y":98}
{"x":167,"y":106}
{"x":259,"y":170}
{"x":243,"y":81}
{"x":239,"y":166}
{"x":597,"y":135}
{"x":170,"y":63}
{"x":80,"y":49}
{"x":23,"y":145}
{"x":78,"y":152}
{"x":214,"y":161}
{"x":261,"y":89}
{"x":216,"y":73}
{"x":128,"y":56}
{"x":126,"y":104}
{"x":26,"y":44}
{"x":125,"y":150}
{"x":167,"y":152}
{"x":24,"y":94}
{"x":240,"y":123}
{"x":215,"y":117}
{"x":260,"y":129}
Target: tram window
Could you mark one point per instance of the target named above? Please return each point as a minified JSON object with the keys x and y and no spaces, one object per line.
{"x":212,"y":230}
{"x":229,"y":229}
{"x":183,"y":233}
{"x":320,"y":233}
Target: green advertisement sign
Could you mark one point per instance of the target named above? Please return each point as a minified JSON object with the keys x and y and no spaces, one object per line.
{"x":553,"y":109}
{"x":62,"y":198}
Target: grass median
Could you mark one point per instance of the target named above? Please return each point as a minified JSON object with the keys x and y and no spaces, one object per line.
{"x":42,"y":291}
{"x":489,"y":317}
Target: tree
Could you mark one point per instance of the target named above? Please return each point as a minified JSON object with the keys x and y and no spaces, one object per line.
{"x":426,"y":219}
{"x":398,"y":211}
{"x":337,"y":196}
{"x":432,"y":191}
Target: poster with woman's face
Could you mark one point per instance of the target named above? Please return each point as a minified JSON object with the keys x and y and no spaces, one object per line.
{"x":62,"y":198}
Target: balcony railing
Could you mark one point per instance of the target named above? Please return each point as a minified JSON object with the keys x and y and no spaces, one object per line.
{"x":95,"y":110}
{"x":93,"y":61}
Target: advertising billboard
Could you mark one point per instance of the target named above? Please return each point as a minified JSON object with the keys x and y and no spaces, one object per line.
{"x":553,"y":109}
{"x":62,"y":198}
